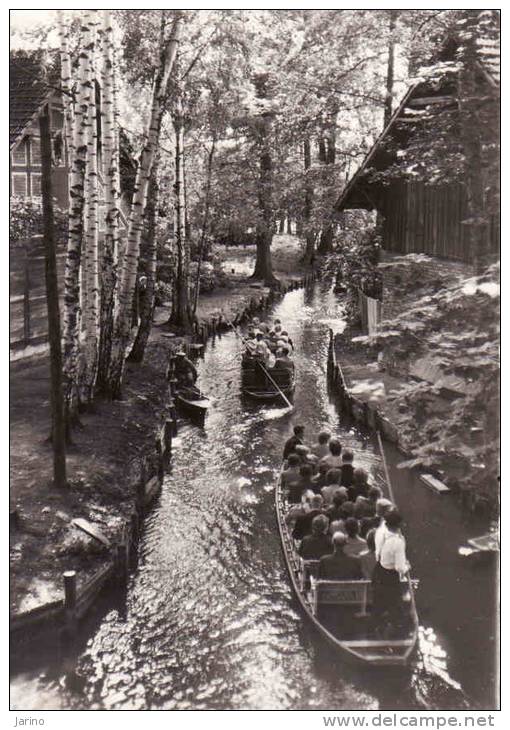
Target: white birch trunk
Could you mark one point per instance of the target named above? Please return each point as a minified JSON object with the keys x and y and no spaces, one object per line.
{"x":128,"y":269}
{"x":72,"y":312}
{"x":111,"y":175}
{"x":67,"y":85}
{"x":90,"y":261}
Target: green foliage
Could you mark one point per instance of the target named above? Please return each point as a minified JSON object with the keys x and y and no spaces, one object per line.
{"x":353,"y":264}
{"x":26,"y":220}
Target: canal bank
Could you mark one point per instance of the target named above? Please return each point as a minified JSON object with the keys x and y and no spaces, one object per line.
{"x":208,"y":620}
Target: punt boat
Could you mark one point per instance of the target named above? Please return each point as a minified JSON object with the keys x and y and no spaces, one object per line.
{"x":260,"y":384}
{"x":340,"y":610}
{"x":192,"y":401}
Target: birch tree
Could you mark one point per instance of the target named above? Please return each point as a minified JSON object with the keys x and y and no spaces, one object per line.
{"x":126,"y":281}
{"x":72,"y":308}
{"x":111,"y":175}
{"x":90,"y":260}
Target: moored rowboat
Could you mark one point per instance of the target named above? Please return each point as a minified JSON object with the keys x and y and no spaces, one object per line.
{"x":192,"y":401}
{"x":338,"y":609}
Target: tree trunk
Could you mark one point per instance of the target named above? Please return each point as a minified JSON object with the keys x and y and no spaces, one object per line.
{"x":58,"y":422}
{"x":67,"y":86}
{"x":180,"y":316}
{"x":328,"y":156}
{"x":470,"y":103}
{"x":265,"y":224}
{"x":90,"y":259}
{"x":388,"y":103}
{"x":289,"y":225}
{"x":111,"y":174}
{"x":205,"y":223}
{"x":72,"y":289}
{"x":281,"y":225}
{"x":126,"y":282}
{"x":147,"y":293}
{"x":307,"y":211}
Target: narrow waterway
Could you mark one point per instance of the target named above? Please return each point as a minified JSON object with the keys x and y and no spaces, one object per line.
{"x":209,"y":620}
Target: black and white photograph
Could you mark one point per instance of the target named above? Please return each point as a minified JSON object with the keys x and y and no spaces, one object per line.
{"x":254,"y":365}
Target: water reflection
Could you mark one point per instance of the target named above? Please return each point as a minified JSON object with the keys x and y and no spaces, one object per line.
{"x":210,"y":621}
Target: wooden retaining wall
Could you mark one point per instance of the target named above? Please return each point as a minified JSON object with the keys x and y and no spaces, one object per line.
{"x":64,"y":614}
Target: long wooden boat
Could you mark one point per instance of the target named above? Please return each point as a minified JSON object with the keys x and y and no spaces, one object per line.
{"x":256,"y":384}
{"x":192,"y":401}
{"x":338,"y":609}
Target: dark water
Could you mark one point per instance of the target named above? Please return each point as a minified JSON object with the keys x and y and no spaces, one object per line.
{"x":209,"y":620}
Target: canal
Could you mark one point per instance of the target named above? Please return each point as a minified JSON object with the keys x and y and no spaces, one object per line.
{"x":209,"y":620}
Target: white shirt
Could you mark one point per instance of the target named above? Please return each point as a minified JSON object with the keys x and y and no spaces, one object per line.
{"x":379,"y":537}
{"x":392,"y":552}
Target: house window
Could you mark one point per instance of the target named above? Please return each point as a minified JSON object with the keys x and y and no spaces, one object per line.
{"x":35,"y":186}
{"x":19,"y":184}
{"x":19,"y":155}
{"x":35,"y":152}
{"x":57,"y":119}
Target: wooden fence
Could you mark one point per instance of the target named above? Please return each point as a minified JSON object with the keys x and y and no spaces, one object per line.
{"x":27,"y":292}
{"x":370,"y":312}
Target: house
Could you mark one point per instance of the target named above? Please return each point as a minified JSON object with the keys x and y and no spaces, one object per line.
{"x":34,"y":84}
{"x":420,"y":214}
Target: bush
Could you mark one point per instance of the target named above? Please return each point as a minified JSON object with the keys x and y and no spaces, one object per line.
{"x":26,"y":220}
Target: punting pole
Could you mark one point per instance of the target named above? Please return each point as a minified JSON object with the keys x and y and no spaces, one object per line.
{"x":276,"y":386}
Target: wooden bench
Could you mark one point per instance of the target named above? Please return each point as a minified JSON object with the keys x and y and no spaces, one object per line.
{"x":341,"y":593}
{"x":307,"y":570}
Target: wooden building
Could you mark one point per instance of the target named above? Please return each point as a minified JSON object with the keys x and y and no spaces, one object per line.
{"x":32,"y":86}
{"x":420,"y":215}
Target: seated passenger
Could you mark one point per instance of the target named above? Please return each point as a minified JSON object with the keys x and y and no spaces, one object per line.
{"x":363,"y":508}
{"x":360,"y":485}
{"x":306,"y":476}
{"x":262,"y":351}
{"x":321,"y":448}
{"x":319,"y":479}
{"x":333,"y":478}
{"x":346,"y":511}
{"x":374,"y":493}
{"x":367,"y":559}
{"x":318,"y":543}
{"x":291,"y":474}
{"x":335,"y":511}
{"x":299,"y":509}
{"x":297,"y":438}
{"x":339,"y":566}
{"x":334,"y":458}
{"x":303,"y":452}
{"x":347,"y":468}
{"x":283,"y":361}
{"x":366,"y":524}
{"x":355,"y":544}
{"x":286,"y":338}
{"x":303,"y":524}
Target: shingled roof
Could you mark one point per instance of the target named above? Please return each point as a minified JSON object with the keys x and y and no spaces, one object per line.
{"x":31,"y":80}
{"x":421,"y":99}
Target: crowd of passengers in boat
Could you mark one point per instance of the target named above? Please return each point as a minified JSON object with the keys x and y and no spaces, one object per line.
{"x":269,"y":344}
{"x":338,"y":518}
